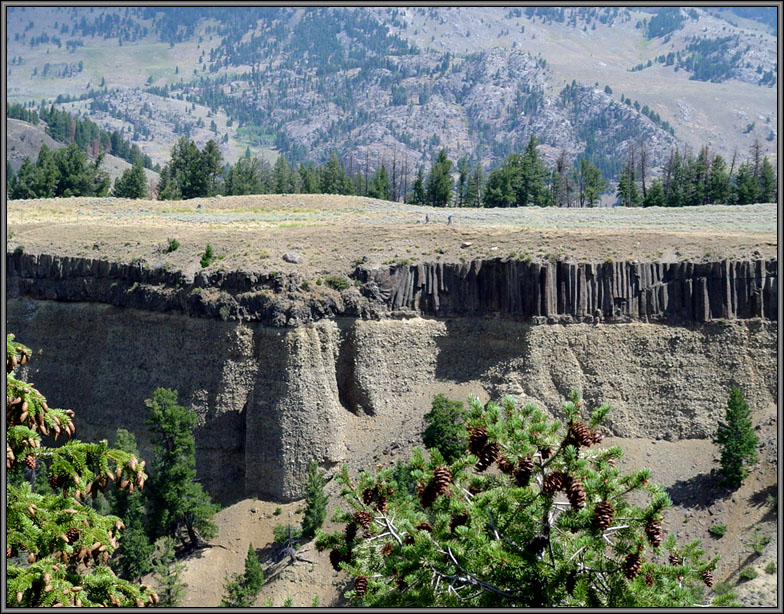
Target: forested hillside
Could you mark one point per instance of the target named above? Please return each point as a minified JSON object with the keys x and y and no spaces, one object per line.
{"x":394,"y":86}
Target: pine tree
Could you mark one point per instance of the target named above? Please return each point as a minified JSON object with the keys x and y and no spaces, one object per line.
{"x":241,"y":590}
{"x":767,"y":182}
{"x":445,"y":430}
{"x":379,"y":184}
{"x":167,"y":573}
{"x":211,"y":168}
{"x":315,"y":502}
{"x":244,"y":177}
{"x":417,"y":189}
{"x":719,"y":188}
{"x":655,"y":196}
{"x":590,"y":183}
{"x":438,"y":188}
{"x":132,"y":183}
{"x":455,"y":534}
{"x":64,"y":543}
{"x":475,"y":189}
{"x":746,"y":188}
{"x":176,"y":500}
{"x":737,"y":440}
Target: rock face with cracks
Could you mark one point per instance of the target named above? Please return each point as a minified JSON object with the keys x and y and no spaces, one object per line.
{"x":279,"y":377}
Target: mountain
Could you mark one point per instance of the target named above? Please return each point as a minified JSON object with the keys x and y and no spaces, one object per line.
{"x":395,"y":85}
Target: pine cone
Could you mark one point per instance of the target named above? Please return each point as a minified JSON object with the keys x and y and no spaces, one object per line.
{"x":351,"y":531}
{"x":576,"y":494}
{"x":523,"y":471}
{"x":674,"y":559}
{"x":381,"y":506}
{"x":364,"y":518}
{"x":505,"y":465}
{"x":579,"y":435}
{"x":72,"y":535}
{"x":707,"y":577}
{"x":488,"y":456}
{"x":427,"y":494}
{"x":545,"y":452}
{"x":597,"y":436}
{"x":408,"y":540}
{"x":603,"y":514}
{"x":458,"y":521}
{"x":30,"y":461}
{"x":442,"y":478}
{"x":649,"y":578}
{"x":335,"y":558}
{"x":386,"y":549}
{"x":477,"y":441}
{"x":552,"y":483}
{"x":360,"y":585}
{"x":425,"y":526}
{"x":654,"y":532}
{"x":632,"y":564}
{"x":55,"y":481}
{"x":367,"y":496}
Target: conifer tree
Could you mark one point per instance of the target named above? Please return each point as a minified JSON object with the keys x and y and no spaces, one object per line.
{"x":418,"y":188}
{"x":767,"y":182}
{"x":177,"y":501}
{"x":445,"y":431}
{"x":132,"y":183}
{"x":57,"y":547}
{"x":379,"y":184}
{"x":438,"y":188}
{"x":167,"y":573}
{"x":315,"y":502}
{"x":737,"y":440}
{"x":242,"y":589}
{"x":552,"y":526}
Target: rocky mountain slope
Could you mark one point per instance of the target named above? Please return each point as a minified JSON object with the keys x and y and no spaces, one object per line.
{"x":384,"y":85}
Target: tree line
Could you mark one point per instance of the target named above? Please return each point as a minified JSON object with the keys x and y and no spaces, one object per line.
{"x":689,"y":180}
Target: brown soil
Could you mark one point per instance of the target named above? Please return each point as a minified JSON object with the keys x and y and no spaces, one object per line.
{"x":334,"y":233}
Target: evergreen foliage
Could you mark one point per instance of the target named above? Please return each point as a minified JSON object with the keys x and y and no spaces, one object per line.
{"x":167,"y":572}
{"x":57,"y":548}
{"x":438,"y":188}
{"x":737,"y":440}
{"x":315,"y":502}
{"x":242,"y":589}
{"x":418,"y":188}
{"x":445,"y":430}
{"x":379,"y":185}
{"x":554,"y":526}
{"x":191,"y":173}
{"x":178,"y":505}
{"x":132,"y":183}
{"x":62,"y":173}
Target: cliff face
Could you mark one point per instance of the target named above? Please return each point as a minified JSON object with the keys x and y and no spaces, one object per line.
{"x":271,"y":396}
{"x":668,"y":292}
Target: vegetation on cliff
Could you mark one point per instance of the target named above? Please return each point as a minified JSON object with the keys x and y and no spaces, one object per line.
{"x":58,"y":546}
{"x":555,"y":525}
{"x":737,"y":440}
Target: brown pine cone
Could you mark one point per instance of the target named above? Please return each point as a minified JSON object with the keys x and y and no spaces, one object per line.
{"x":674,"y":559}
{"x":579,"y":435}
{"x":427,"y":494}
{"x":576,"y":494}
{"x":72,"y":535}
{"x":597,"y":436}
{"x":425,"y":526}
{"x":488,"y":456}
{"x":442,"y":478}
{"x":386,"y":549}
{"x":649,"y":578}
{"x":457,"y":521}
{"x":360,"y":585}
{"x":603,"y":514}
{"x":707,"y":577}
{"x":351,"y":531}
{"x":654,"y":532}
{"x":408,"y":540}
{"x":505,"y":465}
{"x":381,"y":505}
{"x":632,"y":564}
{"x":367,"y":495}
{"x":364,"y":518}
{"x":523,"y":471}
{"x":477,"y":441}
{"x":552,"y":483}
{"x":30,"y":461}
{"x":335,"y":558}
{"x":545,"y":453}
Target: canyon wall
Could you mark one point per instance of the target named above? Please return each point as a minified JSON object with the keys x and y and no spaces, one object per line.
{"x":344,"y":377}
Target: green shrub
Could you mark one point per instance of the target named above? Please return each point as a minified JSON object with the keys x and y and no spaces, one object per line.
{"x":748,"y":573}
{"x":445,"y":428}
{"x":173,"y":245}
{"x":278,"y":511}
{"x":207,"y":257}
{"x":281,"y":533}
{"x":770,"y":568}
{"x":718,"y":530}
{"x":19,"y":250}
{"x":337,"y":282}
